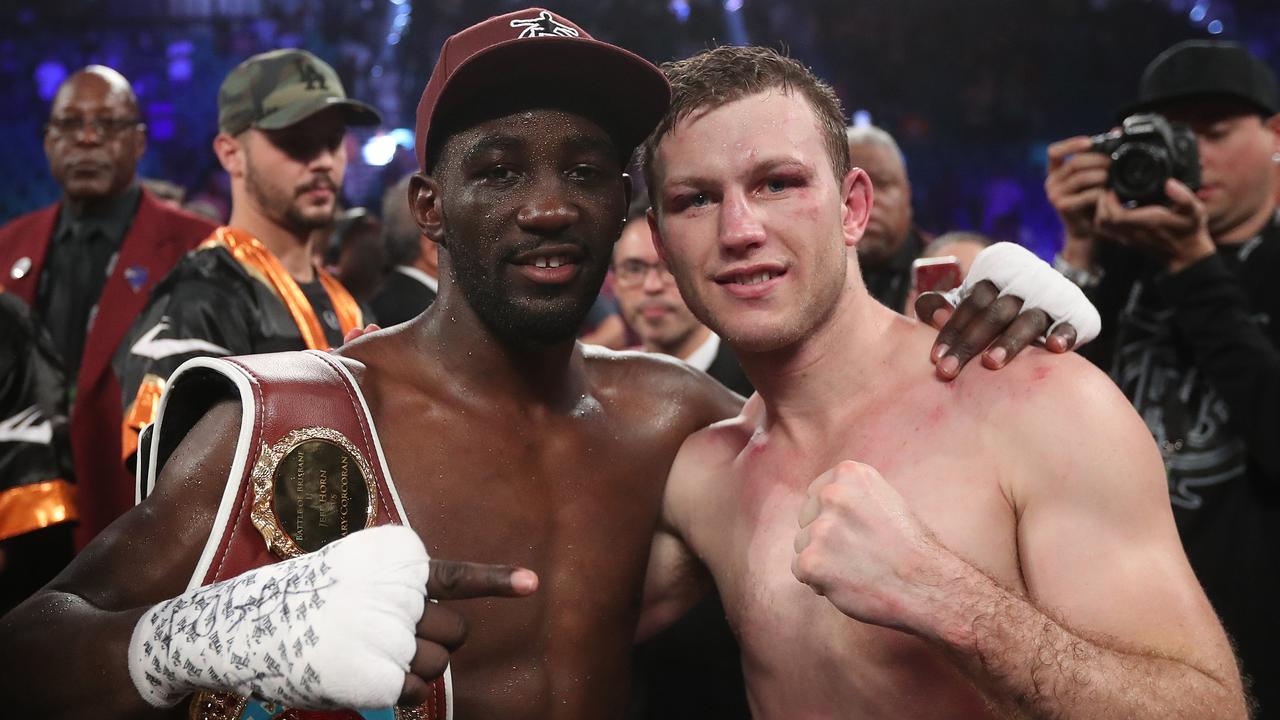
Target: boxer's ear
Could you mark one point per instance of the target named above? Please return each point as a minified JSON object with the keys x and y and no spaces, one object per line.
{"x":656,"y":234}
{"x":856,"y":197}
{"x":424,"y":203}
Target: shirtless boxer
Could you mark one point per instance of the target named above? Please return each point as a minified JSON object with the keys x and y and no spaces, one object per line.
{"x":1002,"y":545}
{"x":510,"y":442}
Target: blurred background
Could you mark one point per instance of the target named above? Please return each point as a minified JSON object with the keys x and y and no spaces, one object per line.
{"x":972,"y":89}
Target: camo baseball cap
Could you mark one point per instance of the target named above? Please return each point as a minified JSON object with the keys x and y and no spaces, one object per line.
{"x":276,"y":89}
{"x":539,"y":53}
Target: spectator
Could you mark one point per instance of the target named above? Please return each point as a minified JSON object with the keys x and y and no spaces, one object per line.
{"x":1192,"y":324}
{"x":87,"y":263}
{"x":892,"y":241}
{"x":37,"y":501}
{"x":415,"y":261}
{"x":252,"y":287}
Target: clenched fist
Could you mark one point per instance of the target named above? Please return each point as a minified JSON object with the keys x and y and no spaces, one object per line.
{"x":860,"y":546}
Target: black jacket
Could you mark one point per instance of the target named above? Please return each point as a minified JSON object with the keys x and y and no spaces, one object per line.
{"x":1198,"y":353}
{"x":401,"y":298}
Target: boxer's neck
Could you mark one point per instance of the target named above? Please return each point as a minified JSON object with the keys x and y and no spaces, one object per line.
{"x":452,"y":334}
{"x":815,"y":383}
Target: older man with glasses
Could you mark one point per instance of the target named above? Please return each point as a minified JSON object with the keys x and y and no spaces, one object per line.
{"x":86,"y":265}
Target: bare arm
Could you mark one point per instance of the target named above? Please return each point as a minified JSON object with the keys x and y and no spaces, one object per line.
{"x":1113,"y":623}
{"x":676,"y":578}
{"x":674,"y":583}
{"x":73,"y":635}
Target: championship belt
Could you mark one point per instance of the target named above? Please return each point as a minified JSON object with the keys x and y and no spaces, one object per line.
{"x":308,"y":470}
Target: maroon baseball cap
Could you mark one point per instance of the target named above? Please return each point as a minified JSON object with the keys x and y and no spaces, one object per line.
{"x":536,"y":48}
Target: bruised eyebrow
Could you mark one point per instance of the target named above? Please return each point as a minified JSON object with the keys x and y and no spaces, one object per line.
{"x":761,"y":167}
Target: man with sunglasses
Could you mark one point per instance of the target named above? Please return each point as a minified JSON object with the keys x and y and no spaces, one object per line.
{"x":86,"y":265}
{"x":252,"y":286}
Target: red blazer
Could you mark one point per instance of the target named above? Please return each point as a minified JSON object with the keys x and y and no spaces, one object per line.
{"x":157,"y":238}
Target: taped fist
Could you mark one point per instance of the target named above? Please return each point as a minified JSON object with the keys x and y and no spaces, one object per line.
{"x":343,"y":627}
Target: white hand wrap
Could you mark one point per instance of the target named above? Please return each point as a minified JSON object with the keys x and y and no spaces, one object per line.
{"x":331,"y":629}
{"x":1017,"y":271}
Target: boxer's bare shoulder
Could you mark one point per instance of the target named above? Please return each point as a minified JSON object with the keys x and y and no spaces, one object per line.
{"x":1048,"y":416}
{"x":668,"y":391}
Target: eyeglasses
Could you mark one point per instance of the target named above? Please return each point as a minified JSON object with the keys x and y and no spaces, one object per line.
{"x":102,"y":127}
{"x":633,"y":272}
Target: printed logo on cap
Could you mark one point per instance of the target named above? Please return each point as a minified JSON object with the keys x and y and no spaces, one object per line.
{"x":543,"y":26}
{"x":311,"y":76}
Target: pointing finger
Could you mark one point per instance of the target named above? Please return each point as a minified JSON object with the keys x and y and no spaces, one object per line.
{"x":458,"y":580}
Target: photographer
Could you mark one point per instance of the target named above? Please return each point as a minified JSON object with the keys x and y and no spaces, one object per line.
{"x":1185,"y":282}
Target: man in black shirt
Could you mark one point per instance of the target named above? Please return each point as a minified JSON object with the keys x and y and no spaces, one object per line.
{"x":252,"y":287}
{"x":1191,"y":324}
{"x":414,"y":259}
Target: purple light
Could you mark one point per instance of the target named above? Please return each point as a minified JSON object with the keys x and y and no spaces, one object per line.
{"x":679,"y":8}
{"x":48,"y":76}
{"x":179,"y":54}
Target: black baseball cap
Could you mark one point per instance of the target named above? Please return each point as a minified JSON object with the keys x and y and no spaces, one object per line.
{"x":539,"y":49}
{"x":1201,"y":68}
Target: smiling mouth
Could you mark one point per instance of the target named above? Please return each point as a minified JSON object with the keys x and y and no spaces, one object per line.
{"x":553,"y":261}
{"x":750,"y":278}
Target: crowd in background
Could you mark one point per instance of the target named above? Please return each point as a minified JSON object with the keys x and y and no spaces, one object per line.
{"x":972,"y":91}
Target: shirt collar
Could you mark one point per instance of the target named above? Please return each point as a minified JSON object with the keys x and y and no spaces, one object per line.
{"x":111,"y":217}
{"x":706,"y":352}
{"x":420,"y":276}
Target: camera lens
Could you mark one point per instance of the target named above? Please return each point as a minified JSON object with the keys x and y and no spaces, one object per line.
{"x":1138,"y":172}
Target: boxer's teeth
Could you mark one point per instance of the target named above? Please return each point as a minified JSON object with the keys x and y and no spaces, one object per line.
{"x":755,"y":279}
{"x":552,"y":262}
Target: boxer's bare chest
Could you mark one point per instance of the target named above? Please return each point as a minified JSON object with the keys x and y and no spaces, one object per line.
{"x":572,"y":493}
{"x":791,"y":637}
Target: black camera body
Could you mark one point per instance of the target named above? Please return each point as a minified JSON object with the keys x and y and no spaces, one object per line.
{"x":1145,"y":152}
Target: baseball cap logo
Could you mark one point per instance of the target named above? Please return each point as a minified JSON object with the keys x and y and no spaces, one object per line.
{"x":311,"y":76}
{"x":543,"y":26}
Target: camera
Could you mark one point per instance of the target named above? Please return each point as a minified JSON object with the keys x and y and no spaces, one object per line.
{"x":1146,"y":151}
